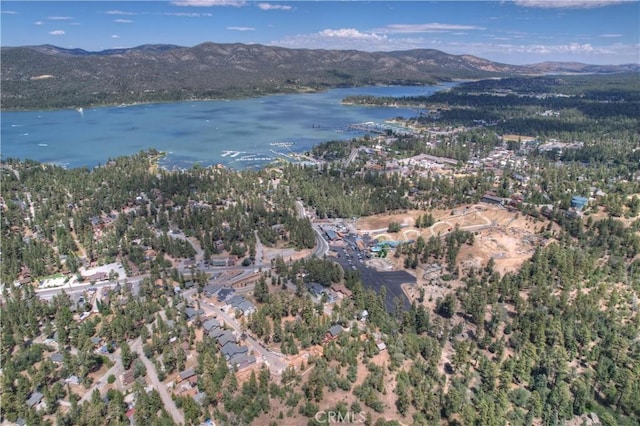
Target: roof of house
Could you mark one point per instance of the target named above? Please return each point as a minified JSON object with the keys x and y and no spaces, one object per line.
{"x":235,"y":300}
{"x":210,"y":324}
{"x":216,"y":332}
{"x":211,"y":289}
{"x":56,"y":357}
{"x":72,"y":379}
{"x":316,"y":288}
{"x":226,"y":338}
{"x":246,"y":306}
{"x":242,"y":359}
{"x":184,"y":375}
{"x":34,"y":399}
{"x":224,"y":293}
{"x":192,"y":312}
{"x":96,"y":340}
{"x":231,"y":349}
{"x":335,"y":330}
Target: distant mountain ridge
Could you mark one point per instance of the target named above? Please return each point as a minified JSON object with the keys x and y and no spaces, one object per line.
{"x":48,"y":76}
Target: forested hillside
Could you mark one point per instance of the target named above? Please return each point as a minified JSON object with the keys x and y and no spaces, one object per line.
{"x":552,"y":340}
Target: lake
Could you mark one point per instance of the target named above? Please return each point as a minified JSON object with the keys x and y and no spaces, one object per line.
{"x":243,"y":133}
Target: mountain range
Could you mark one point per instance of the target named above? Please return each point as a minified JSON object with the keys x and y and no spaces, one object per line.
{"x":42,"y":77}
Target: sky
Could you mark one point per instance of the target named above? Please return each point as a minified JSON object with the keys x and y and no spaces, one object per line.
{"x":513,"y":32}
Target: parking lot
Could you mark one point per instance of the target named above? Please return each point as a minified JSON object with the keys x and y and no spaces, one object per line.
{"x":351,"y":258}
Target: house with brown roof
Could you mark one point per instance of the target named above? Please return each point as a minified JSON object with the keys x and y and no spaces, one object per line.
{"x":127,"y":378}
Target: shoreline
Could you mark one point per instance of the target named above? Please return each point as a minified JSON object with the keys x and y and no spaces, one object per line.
{"x":298,"y":91}
{"x":161,"y":102}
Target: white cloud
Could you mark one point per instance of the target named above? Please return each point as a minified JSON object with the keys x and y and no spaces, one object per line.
{"x":269,"y":6}
{"x":426,"y":28}
{"x":115,"y":36}
{"x":241,"y":28}
{"x":571,"y":48}
{"x":350,"y":33}
{"x":38,"y":23}
{"x":610,"y":35}
{"x":186,"y":14}
{"x":209,"y":3}
{"x":123,"y":21}
{"x":118,"y":12}
{"x":59,"y":18}
{"x":566,"y":4}
{"x":343,"y":39}
{"x":57,"y":33}
{"x":9,"y":12}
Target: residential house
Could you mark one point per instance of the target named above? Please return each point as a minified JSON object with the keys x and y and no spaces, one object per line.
{"x":72,"y":380}
{"x":241,"y":361}
{"x":316,"y":289}
{"x":232,"y":349}
{"x":210,"y":324}
{"x":579,"y":202}
{"x":333,"y":332}
{"x":191,"y":313}
{"x":225,"y":293}
{"x":57,"y":358}
{"x":35,"y":399}
{"x":127,"y":378}
{"x":188,"y":376}
{"x":242,"y":304}
{"x":211,"y":289}
{"x":215,"y":333}
{"x":227,"y":338}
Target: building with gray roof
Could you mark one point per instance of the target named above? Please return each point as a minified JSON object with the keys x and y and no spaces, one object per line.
{"x":232,"y":349}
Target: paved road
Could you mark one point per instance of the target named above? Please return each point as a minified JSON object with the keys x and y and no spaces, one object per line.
{"x":152,"y":375}
{"x":117,"y":369}
{"x":276,"y":364}
{"x":352,"y":156}
{"x":322,"y":246}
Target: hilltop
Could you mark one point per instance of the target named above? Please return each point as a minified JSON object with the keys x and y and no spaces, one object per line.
{"x":47,"y":76}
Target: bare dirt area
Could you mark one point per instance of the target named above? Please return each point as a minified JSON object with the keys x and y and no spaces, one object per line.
{"x":507,"y":236}
{"x":382,"y":220}
{"x":509,"y":247}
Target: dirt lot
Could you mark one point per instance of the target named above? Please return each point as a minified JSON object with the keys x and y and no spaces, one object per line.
{"x":509,"y":237}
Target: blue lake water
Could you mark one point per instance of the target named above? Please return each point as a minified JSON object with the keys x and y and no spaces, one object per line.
{"x":240,"y":134}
